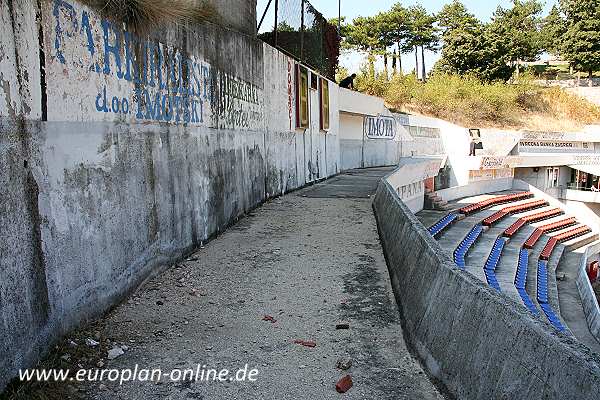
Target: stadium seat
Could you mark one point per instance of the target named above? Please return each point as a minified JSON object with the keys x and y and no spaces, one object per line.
{"x":514,"y":228}
{"x":465,"y":245}
{"x":555,"y":226}
{"x":548,"y":249}
{"x":482,"y":205}
{"x":563,"y":237}
{"x":521,"y":281}
{"x":492,"y":262}
{"x":542,"y":296}
{"x":442,"y":224}
{"x":491,"y":220}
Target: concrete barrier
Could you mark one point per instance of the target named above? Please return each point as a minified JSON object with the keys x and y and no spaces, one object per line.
{"x":478,"y":343}
{"x":589,"y":302}
{"x":476,"y":188}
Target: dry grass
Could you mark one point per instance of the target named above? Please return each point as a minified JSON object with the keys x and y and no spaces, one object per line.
{"x":146,"y":15}
{"x":79,"y":356}
{"x":470,"y":102}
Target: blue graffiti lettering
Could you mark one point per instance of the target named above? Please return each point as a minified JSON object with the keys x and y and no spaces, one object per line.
{"x":58,"y":5}
{"x":115,"y":49}
{"x":101,"y":101}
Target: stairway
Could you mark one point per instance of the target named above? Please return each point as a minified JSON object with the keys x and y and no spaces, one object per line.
{"x":434,"y":202}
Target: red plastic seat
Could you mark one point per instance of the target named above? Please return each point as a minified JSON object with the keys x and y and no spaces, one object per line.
{"x":489,"y":221}
{"x":563,"y":237}
{"x":514,"y":228}
{"x":555,"y":226}
{"x":495,"y":200}
{"x":548,"y":249}
{"x":543,"y":215}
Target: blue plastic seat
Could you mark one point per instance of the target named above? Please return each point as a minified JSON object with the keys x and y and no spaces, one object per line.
{"x":465,"y":245}
{"x":442,"y":224}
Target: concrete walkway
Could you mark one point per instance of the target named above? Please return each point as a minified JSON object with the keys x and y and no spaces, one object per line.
{"x":311,"y":260}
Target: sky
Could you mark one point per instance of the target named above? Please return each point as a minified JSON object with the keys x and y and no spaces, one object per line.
{"x":483,"y":9}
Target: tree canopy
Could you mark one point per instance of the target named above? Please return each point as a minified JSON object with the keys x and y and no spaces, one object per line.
{"x":490,"y":51}
{"x":581,"y":45}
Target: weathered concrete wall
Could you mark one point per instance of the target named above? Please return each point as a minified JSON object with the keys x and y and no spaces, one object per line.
{"x":475,"y":189}
{"x":360,"y":151}
{"x":477,"y":342}
{"x":239,"y":15}
{"x":119,"y":154}
{"x":588,"y":297}
{"x":408,"y":180}
{"x":356,"y":149}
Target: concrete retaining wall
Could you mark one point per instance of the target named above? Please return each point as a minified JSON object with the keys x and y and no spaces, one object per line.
{"x":476,"y":188}
{"x":408,"y":180}
{"x":478,"y":343}
{"x":120,"y":154}
{"x":588,"y":297}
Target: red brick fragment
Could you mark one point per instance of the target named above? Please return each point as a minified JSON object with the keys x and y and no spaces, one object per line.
{"x":344,"y":384}
{"x":305,"y":343}
{"x":269,"y":318}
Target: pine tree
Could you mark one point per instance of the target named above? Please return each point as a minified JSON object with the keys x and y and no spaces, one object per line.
{"x":553,"y":31}
{"x":581,"y":45}
{"x":422,"y":34}
{"x":518,"y":28}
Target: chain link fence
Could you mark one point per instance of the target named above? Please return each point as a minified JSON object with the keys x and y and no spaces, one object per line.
{"x":302,"y":32}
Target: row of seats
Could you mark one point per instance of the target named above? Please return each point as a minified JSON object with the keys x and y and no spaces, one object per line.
{"x":442,"y":224}
{"x":521,"y":281}
{"x":492,"y":263}
{"x":514,"y":228}
{"x":563,"y":237}
{"x":492,"y":219}
{"x":465,"y":245}
{"x":482,"y":205}
{"x":555,"y":226}
{"x":542,"y":296}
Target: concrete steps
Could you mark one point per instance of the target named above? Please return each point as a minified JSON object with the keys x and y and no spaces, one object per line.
{"x":434,"y":202}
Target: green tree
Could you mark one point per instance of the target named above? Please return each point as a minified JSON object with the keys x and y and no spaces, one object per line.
{"x":422,"y":34}
{"x":581,"y":46}
{"x":360,"y":36}
{"x":455,"y":17}
{"x":399,"y":31}
{"x":517,"y":30}
{"x":471,"y":47}
{"x":553,"y":31}
{"x":462,"y":39}
{"x":383,"y":29}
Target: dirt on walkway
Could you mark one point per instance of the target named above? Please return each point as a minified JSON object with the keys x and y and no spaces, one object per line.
{"x":292,"y":270}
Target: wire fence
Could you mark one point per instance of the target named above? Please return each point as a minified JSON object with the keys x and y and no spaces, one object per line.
{"x":302,"y":32}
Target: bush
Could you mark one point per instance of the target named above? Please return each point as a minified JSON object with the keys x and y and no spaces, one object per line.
{"x":469,"y":101}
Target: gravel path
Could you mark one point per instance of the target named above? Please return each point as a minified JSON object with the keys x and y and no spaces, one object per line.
{"x":310,"y":260}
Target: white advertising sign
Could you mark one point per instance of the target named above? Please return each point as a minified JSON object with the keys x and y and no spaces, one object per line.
{"x":379,"y":127}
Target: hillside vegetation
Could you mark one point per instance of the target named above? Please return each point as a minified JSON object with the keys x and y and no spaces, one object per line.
{"x":469,"y":101}
{"x":473,"y":83}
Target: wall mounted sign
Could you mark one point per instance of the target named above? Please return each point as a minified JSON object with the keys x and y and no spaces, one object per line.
{"x":379,"y":127}
{"x":540,"y":135}
{"x":492,"y":163}
{"x":538,"y":146}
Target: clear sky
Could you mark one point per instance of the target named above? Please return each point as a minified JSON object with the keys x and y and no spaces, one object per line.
{"x":483,"y":9}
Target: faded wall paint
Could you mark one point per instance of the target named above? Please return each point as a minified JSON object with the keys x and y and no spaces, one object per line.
{"x":120,"y":153}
